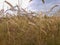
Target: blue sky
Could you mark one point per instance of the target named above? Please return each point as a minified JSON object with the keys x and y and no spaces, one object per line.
{"x":37,"y":5}
{"x":34,"y":5}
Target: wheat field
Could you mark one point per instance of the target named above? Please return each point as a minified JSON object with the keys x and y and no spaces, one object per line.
{"x":22,"y":30}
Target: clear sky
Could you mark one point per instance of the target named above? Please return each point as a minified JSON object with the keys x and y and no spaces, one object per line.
{"x":33,"y":5}
{"x":38,"y":5}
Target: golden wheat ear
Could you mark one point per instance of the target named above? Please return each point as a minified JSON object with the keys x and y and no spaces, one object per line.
{"x":8,"y":3}
{"x":53,"y":8}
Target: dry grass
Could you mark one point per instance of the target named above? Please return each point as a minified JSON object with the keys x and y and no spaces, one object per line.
{"x":22,"y":30}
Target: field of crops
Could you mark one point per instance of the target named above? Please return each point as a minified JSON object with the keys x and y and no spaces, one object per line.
{"x":22,"y":30}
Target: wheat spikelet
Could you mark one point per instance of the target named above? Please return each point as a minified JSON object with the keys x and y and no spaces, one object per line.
{"x":12,"y":7}
{"x":9,"y":4}
{"x":53,"y":8}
